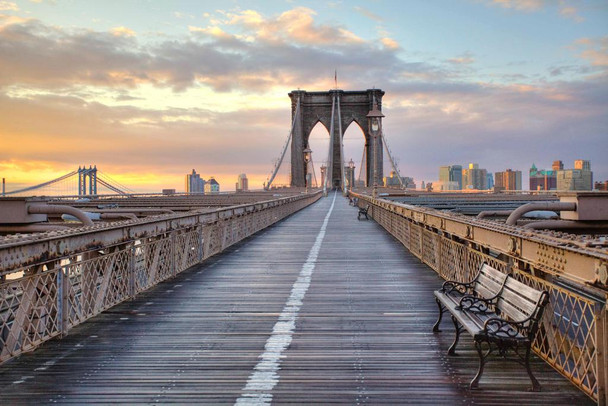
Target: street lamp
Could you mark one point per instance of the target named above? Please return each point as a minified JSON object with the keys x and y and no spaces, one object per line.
{"x":351,"y":174}
{"x":307,"y":158}
{"x":375,"y":124}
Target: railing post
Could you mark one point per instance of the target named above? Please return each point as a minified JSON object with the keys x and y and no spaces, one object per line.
{"x":173,"y":253}
{"x":601,"y":339}
{"x":131,"y":271}
{"x":62,"y":298}
{"x":200,"y":243}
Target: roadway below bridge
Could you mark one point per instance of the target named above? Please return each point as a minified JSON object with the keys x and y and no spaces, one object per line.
{"x":318,"y":308}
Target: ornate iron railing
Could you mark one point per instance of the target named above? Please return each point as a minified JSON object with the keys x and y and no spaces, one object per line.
{"x":573,"y":336}
{"x":54,"y":281}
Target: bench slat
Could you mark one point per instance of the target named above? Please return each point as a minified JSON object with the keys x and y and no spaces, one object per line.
{"x":489,"y":281}
{"x":517,"y":300}
{"x":524,"y":290}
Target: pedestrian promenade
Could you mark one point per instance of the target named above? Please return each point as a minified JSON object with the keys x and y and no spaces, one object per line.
{"x":319,"y":308}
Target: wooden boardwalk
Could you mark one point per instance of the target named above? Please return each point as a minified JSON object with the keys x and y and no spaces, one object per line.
{"x":363,"y":311}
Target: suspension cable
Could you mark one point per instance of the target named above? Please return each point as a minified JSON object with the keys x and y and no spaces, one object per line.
{"x":50,"y":182}
{"x":361,"y":167}
{"x":390,"y":157}
{"x":293,"y":126}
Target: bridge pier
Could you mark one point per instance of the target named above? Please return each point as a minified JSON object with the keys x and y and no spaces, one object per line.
{"x":87,"y":179}
{"x":344,"y":107}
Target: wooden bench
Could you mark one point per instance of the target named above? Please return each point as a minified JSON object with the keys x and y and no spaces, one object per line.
{"x":497,"y":310}
{"x":363,"y":211}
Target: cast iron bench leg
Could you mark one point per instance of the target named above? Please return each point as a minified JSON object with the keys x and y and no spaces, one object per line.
{"x":452,"y":349}
{"x":482,"y":361}
{"x":441,"y":311}
{"x":535,"y":384}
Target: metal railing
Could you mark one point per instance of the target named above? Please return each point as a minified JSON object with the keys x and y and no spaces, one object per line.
{"x":573,"y":336}
{"x":54,"y":281}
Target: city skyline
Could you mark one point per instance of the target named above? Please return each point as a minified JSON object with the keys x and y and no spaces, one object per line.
{"x":150,"y":90}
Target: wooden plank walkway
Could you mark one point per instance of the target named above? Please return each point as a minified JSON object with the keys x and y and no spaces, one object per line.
{"x":362,"y":332}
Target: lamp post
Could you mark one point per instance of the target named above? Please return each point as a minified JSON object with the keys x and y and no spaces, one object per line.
{"x":351,"y":174}
{"x":323,"y":180}
{"x":375,"y":126}
{"x":307,"y":157}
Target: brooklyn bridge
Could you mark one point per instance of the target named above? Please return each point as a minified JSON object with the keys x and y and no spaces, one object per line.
{"x":291,"y":295}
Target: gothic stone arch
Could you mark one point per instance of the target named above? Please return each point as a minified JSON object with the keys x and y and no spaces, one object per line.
{"x":316,"y":107}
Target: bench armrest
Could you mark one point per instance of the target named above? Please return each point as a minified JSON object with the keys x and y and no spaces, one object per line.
{"x":459,"y":287}
{"x":500,"y":328}
{"x":477,"y":304}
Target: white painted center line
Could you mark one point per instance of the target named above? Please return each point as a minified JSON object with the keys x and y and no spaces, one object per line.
{"x":265,"y":377}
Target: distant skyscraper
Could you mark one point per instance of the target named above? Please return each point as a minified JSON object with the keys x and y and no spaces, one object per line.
{"x":211,"y":186}
{"x":557,"y":165}
{"x":444,"y":173}
{"x":242,"y":185}
{"x":603,"y":186}
{"x":490,"y":181}
{"x":451,"y":177}
{"x":474,"y":177}
{"x":456,"y":175}
{"x":541,"y":179}
{"x":582,"y":165}
{"x":508,"y":180}
{"x":194,"y":183}
{"x":579,"y":178}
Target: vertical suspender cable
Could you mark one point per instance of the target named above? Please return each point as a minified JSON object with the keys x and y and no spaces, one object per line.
{"x":293,"y":126}
{"x":342,"y":175}
{"x":361,"y":167}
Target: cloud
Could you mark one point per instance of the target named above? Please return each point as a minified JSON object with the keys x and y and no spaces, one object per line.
{"x":268,"y":52}
{"x":464,"y":59}
{"x":569,"y":11}
{"x":213,"y":31}
{"x":523,"y":5}
{"x":6,"y":20}
{"x":8,"y":6}
{"x":122,"y":32}
{"x":565,"y":8}
{"x":296,"y":25}
{"x":595,"y":50}
{"x":366,"y":13}
{"x":180,"y":15}
{"x":390,"y":43}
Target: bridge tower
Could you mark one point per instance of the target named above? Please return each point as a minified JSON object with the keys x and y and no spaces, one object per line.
{"x":87,"y":177}
{"x":336,"y":110}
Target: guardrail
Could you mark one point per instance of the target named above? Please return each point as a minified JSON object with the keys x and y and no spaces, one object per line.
{"x":54,"y":281}
{"x":573,"y":336}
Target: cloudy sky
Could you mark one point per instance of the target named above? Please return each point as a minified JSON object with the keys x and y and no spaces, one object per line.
{"x":149,"y":90}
